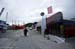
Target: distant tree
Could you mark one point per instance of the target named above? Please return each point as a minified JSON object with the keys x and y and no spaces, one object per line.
{"x":35,"y":22}
{"x":28,"y":24}
{"x":73,"y":19}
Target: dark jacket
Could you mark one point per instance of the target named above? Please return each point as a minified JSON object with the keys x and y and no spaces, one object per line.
{"x":25,"y":30}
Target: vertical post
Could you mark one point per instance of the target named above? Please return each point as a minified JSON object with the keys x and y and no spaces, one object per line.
{"x":15,"y":22}
{"x":2,"y":11}
{"x":6,"y":16}
{"x":43,"y":23}
{"x":18,"y":22}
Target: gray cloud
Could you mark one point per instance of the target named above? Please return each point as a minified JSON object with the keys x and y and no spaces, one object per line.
{"x":21,"y":9}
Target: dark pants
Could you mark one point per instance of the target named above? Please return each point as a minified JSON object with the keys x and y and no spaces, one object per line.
{"x":25,"y":33}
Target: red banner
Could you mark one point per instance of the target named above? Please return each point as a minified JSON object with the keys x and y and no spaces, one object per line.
{"x":49,"y":9}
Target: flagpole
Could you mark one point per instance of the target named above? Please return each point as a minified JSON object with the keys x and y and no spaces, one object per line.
{"x":6,"y":16}
{"x":2,"y":11}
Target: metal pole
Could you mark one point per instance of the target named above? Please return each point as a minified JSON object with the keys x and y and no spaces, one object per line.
{"x":6,"y":16}
{"x":2,"y":11}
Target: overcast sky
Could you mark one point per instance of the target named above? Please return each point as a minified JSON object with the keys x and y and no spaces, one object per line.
{"x":24,"y":11}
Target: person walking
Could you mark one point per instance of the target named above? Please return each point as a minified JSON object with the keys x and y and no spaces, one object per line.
{"x":25,"y":32}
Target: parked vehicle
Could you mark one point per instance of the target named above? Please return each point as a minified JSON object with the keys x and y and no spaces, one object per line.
{"x":3,"y":26}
